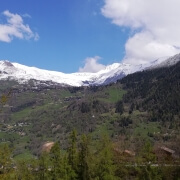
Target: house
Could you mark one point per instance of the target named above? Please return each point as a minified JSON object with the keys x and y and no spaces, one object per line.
{"x":168,"y":151}
{"x":164,"y":153}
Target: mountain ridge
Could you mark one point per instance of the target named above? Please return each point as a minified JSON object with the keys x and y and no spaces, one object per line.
{"x":110,"y":74}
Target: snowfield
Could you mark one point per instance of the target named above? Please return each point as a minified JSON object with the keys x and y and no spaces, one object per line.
{"x":111,"y":73}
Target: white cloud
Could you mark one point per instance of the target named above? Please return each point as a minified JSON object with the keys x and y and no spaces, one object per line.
{"x":92,"y":65}
{"x":26,"y":15}
{"x":15,"y":27}
{"x":155,"y":24}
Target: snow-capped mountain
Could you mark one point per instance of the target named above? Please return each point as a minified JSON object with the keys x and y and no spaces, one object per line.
{"x":111,"y":73}
{"x":165,"y":62}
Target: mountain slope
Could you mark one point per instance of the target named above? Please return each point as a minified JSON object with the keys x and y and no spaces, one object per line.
{"x":111,"y":73}
{"x":156,"y":90}
{"x":147,"y":107}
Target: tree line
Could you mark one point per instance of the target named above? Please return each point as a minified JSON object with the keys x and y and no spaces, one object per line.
{"x":85,"y":159}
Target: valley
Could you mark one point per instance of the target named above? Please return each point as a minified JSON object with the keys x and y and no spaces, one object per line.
{"x":139,"y":113}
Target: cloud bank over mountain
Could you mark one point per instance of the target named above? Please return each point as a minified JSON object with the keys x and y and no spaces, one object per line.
{"x":154,"y":25}
{"x":92,"y":65}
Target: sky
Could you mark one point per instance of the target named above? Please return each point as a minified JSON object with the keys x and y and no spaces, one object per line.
{"x":87,"y":35}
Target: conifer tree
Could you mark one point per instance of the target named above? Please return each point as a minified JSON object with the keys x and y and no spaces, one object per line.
{"x":104,"y":169}
{"x":67,"y":171}
{"x":119,"y":107}
{"x":72,"y":152}
{"x":56,"y":162}
{"x":147,"y":158}
{"x":84,"y":153}
{"x":25,"y":171}
{"x":43,"y":167}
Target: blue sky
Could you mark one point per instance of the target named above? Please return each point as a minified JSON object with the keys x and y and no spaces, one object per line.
{"x":69,"y":32}
{"x":69,"y":35}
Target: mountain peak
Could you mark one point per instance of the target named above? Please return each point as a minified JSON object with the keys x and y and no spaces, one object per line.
{"x":6,"y":63}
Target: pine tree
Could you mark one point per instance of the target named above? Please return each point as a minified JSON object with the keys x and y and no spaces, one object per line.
{"x":67,"y":171}
{"x":43,"y":167}
{"x":72,"y":152}
{"x":147,"y":171}
{"x":56,"y":168}
{"x":84,"y":159}
{"x":119,"y":107}
{"x":25,"y":171}
{"x":104,"y":167}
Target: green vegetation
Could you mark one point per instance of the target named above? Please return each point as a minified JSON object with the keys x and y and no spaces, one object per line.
{"x":140,"y":108}
{"x":24,"y":156}
{"x":147,"y":129}
{"x":86,"y":160}
{"x":113,"y":94}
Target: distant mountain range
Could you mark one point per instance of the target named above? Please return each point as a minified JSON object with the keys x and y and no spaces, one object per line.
{"x":23,"y":74}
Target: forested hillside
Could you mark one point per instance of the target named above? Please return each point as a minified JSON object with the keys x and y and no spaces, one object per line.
{"x":157,"y":91}
{"x":140,"y":114}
